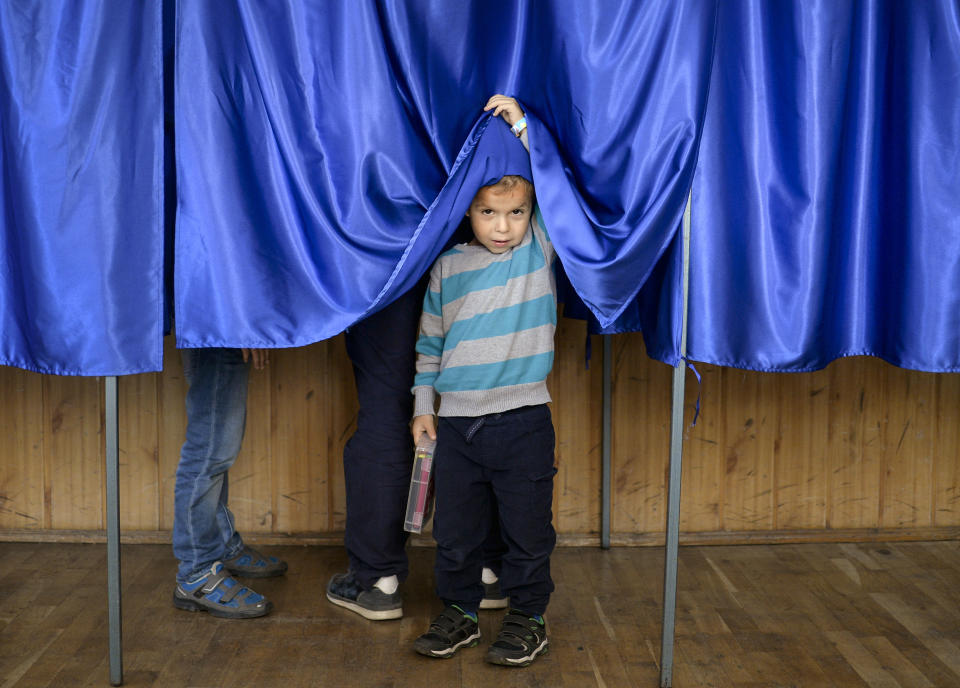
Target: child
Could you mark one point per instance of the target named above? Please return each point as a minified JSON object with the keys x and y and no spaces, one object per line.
{"x":486,"y":345}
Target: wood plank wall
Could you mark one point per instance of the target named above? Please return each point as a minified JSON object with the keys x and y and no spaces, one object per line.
{"x":860,"y":449}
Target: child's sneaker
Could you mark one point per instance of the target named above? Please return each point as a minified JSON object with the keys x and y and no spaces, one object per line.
{"x":450,"y":631}
{"x":344,"y":591}
{"x":520,"y":640}
{"x":220,"y":595}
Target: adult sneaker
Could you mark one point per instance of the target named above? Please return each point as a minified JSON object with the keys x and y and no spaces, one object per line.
{"x":220,"y":595}
{"x":522,"y":639}
{"x":344,"y":591}
{"x":493,"y":597}
{"x":450,"y":631}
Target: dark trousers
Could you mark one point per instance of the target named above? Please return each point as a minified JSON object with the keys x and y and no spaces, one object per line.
{"x":496,"y":466}
{"x":378,"y":457}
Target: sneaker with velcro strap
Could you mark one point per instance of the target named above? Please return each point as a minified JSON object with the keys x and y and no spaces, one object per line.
{"x":450,"y":631}
{"x":218,"y":594}
{"x":522,"y":638}
{"x":249,"y":563}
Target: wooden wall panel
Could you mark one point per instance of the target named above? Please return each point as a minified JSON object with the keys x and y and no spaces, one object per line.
{"x":853,"y":441}
{"x":73,"y":452}
{"x":251,"y":488}
{"x":139,"y":474}
{"x":641,"y":432}
{"x":749,"y":431}
{"x":909,"y":421}
{"x":800,"y":451}
{"x":342,"y":421}
{"x":946,"y":471}
{"x":171,"y":427}
{"x":21,"y":450}
{"x":299,"y":435}
{"x":704,"y":466}
{"x":577,"y":411}
{"x":860,"y":445}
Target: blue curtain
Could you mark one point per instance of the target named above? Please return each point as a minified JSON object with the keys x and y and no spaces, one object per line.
{"x":81,"y":117}
{"x":313,"y":137}
{"x":320,"y":145}
{"x":826,"y":200}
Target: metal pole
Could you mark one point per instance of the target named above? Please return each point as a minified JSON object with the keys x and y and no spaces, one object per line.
{"x":113,"y":529}
{"x":676,"y":457}
{"x":607,"y":424}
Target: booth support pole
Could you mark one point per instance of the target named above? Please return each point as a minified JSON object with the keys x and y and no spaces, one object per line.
{"x":676,"y":456}
{"x":607,"y":425}
{"x":113,"y":529}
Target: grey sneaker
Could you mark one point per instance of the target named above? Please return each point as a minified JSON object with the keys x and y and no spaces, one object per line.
{"x":344,"y":591}
{"x":493,"y":597}
{"x":252,"y":564}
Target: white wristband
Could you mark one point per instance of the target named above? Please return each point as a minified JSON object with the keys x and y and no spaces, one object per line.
{"x":519,"y":126}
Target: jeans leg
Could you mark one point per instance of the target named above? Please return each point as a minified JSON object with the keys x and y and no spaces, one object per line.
{"x":378,"y":458}
{"x":203,"y":527}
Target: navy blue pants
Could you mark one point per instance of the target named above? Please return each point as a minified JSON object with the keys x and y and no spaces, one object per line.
{"x":496,"y":466}
{"x":378,"y":457}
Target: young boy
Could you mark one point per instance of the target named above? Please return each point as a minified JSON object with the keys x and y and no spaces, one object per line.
{"x":486,"y":346}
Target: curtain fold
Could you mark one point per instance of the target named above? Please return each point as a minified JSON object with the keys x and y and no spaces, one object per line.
{"x":81,"y":116}
{"x":312,"y":138}
{"x":316,"y":143}
{"x":826,"y":212}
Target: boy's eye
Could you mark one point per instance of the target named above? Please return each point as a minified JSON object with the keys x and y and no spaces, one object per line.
{"x":519,"y":211}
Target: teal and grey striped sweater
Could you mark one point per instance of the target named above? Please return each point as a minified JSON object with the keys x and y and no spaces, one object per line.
{"x":486,"y":334}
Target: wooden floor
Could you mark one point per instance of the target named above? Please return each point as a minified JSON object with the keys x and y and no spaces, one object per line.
{"x":785,"y":615}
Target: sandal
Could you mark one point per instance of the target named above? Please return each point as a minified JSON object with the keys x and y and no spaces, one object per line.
{"x":220,"y":595}
{"x":250,"y":563}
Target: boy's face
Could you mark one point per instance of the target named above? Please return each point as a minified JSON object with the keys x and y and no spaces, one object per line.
{"x":499,"y":218}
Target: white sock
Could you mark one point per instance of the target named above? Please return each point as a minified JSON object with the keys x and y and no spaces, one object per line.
{"x":387,"y":584}
{"x":488,"y":576}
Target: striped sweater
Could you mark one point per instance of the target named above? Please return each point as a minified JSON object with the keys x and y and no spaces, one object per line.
{"x":486,"y":334}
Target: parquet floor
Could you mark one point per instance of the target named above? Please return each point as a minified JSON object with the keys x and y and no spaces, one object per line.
{"x":873,"y":615}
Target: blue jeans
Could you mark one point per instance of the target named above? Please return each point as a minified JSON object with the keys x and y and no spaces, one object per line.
{"x":203,"y":527}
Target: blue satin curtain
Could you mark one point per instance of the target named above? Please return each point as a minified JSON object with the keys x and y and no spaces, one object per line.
{"x":312,"y":138}
{"x":319,"y":146}
{"x":826,"y":201}
{"x":81,"y":234}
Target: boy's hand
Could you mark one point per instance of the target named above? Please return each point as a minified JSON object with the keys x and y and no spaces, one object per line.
{"x":506,"y":106}
{"x":423,"y":424}
{"x":260,"y":357}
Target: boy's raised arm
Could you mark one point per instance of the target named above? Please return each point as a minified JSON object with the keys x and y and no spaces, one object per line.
{"x":512,"y":113}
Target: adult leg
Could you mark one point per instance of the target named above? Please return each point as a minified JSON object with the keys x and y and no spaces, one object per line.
{"x":203,"y":528}
{"x":378,"y":457}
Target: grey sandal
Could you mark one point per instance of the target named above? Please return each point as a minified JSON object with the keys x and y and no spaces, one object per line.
{"x":252,"y":564}
{"x":218,"y":594}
